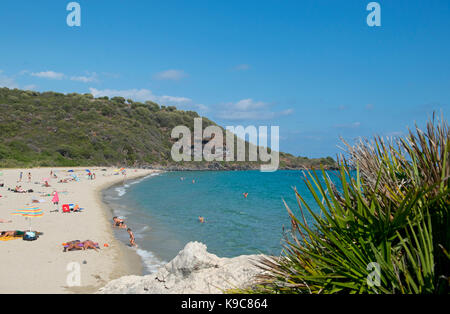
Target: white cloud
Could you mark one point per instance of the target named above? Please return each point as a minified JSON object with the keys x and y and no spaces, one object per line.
{"x":52,"y":75}
{"x":30,"y":87}
{"x":248,"y":109}
{"x":246,"y":115}
{"x":246,"y":104}
{"x":6,"y":81}
{"x":172,"y":99}
{"x":202,"y":108}
{"x":173,"y":75}
{"x":353,"y":125}
{"x":242,"y":67}
{"x":85,"y":79}
{"x":395,"y":134}
{"x":49,"y":75}
{"x":140,"y":95}
{"x":287,"y":112}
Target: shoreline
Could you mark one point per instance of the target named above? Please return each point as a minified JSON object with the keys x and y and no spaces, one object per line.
{"x":111,"y":197}
{"x":41,"y":266}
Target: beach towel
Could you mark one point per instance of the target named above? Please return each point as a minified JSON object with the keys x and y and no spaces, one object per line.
{"x":55,"y":198}
{"x":9,"y":238}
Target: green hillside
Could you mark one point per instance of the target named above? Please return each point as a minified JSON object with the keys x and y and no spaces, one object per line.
{"x":54,"y":129}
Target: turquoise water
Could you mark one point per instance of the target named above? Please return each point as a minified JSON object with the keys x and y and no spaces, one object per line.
{"x":163,"y":212}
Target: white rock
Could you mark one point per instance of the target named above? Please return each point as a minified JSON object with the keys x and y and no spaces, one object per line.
{"x":193,"y":270}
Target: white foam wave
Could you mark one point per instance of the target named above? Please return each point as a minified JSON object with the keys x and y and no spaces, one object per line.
{"x":121,"y":213}
{"x":122,"y":190}
{"x":151,"y":262}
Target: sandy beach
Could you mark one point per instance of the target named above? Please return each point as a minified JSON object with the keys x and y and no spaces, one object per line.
{"x":41,"y":266}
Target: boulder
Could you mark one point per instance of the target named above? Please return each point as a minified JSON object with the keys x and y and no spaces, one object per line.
{"x":193,"y":271}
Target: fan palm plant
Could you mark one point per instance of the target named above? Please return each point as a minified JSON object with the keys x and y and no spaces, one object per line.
{"x":382,"y":228}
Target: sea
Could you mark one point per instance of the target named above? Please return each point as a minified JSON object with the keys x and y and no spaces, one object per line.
{"x":163,"y":211}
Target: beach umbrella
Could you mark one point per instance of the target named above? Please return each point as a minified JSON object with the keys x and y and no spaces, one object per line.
{"x":29,"y":212}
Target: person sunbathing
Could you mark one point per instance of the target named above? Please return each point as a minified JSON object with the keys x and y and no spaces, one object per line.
{"x":5,"y":221}
{"x":5,"y":234}
{"x":16,"y":233}
{"x":88,"y":244}
{"x":78,"y":245}
{"x":18,"y":189}
{"x":72,"y":245}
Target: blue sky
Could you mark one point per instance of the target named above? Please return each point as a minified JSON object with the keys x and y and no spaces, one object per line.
{"x":313,"y":67}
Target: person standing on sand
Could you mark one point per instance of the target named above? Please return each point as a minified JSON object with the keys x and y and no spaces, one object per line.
{"x":29,"y":177}
{"x":55,"y":199}
{"x":132,"y":239}
{"x":20,"y":176}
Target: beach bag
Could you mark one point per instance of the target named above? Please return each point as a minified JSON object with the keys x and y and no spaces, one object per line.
{"x":29,"y":236}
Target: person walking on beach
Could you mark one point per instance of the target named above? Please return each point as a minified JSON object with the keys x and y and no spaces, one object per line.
{"x":29,"y":177}
{"x":20,"y":176}
{"x":132,"y":239}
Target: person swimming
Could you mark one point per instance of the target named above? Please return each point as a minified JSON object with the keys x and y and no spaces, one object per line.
{"x":119,"y":223}
{"x":245,"y":194}
{"x":201,"y":219}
